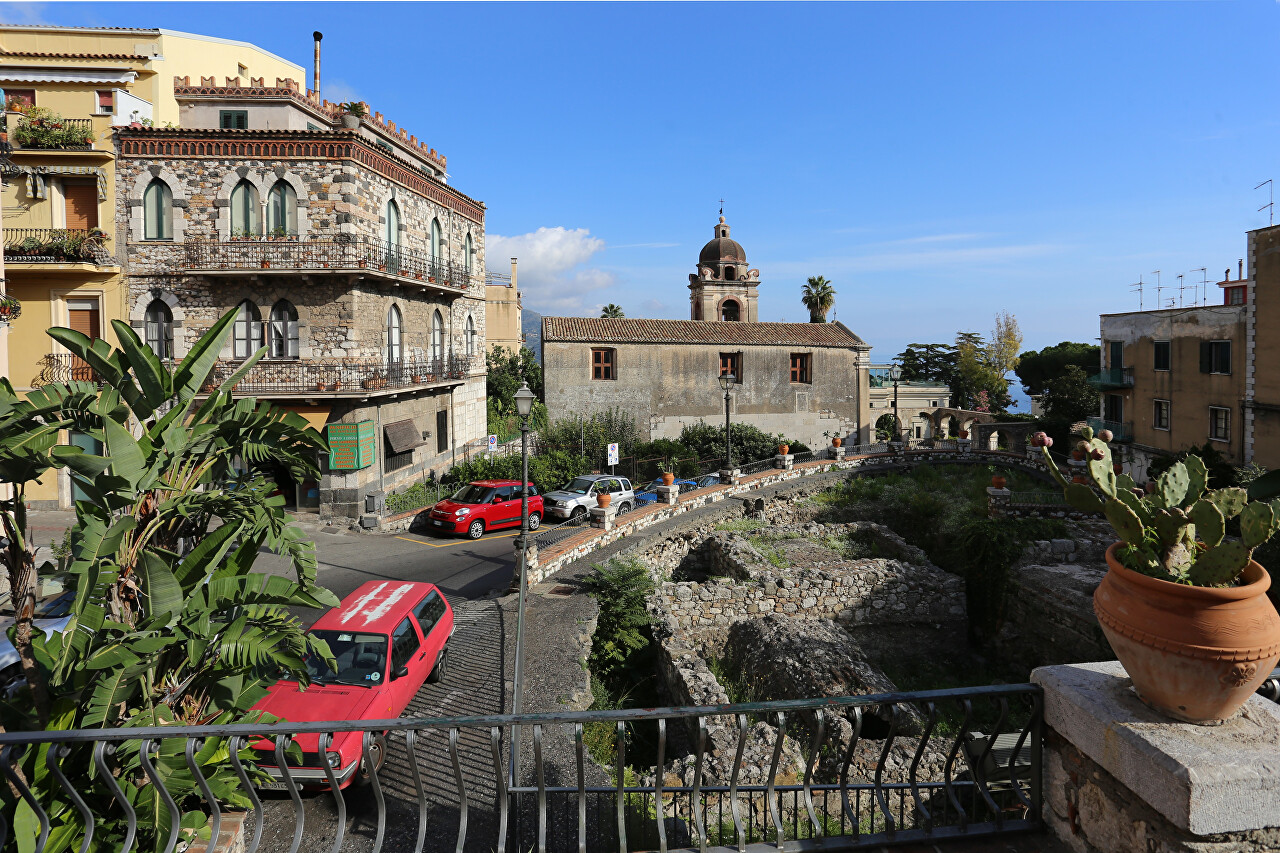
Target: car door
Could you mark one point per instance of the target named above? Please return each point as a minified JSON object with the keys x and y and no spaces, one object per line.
{"x":407,"y":651}
{"x":431,"y":615}
{"x":504,"y":509}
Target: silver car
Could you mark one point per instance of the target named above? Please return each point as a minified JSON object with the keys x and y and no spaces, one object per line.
{"x":579,"y":495}
{"x":54,"y":597}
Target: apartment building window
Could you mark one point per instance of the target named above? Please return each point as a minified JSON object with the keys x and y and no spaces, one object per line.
{"x":159,"y":328}
{"x":471,"y":336}
{"x":394,"y":342}
{"x":1215,"y":357}
{"x":731,"y":362}
{"x":442,"y":431}
{"x":468,"y":253}
{"x":602,"y":364}
{"x":19,"y":99}
{"x":244,"y":210}
{"x":80,"y":204}
{"x":1113,"y":408}
{"x":282,"y":209}
{"x":157,"y":203}
{"x":233,"y":119}
{"x":282,"y":331}
{"x":800,"y":367}
{"x":247,"y":336}
{"x":106,"y":102}
{"x":1117,"y":353}
{"x":1219,"y":424}
{"x":1160,"y":417}
{"x":1161,"y":355}
{"x":1236,"y":295}
{"x":436,"y":247}
{"x":437,"y":337}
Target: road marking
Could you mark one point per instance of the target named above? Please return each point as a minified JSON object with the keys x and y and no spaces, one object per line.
{"x":459,"y":542}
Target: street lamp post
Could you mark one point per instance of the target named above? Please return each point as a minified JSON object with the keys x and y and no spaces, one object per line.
{"x":726,"y":382}
{"x":895,"y":373}
{"x":524,"y":407}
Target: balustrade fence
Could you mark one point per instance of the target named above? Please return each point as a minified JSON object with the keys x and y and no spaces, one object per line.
{"x":350,"y":375}
{"x":315,"y":252}
{"x":55,"y":245}
{"x":844,"y":773}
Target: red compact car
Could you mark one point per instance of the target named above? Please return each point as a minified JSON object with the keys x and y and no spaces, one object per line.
{"x":484,"y":505}
{"x":388,"y":637}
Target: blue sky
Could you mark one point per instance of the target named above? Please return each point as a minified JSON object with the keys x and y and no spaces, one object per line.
{"x":937,"y":161}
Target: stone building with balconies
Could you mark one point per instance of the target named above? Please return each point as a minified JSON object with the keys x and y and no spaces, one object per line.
{"x":343,"y":251}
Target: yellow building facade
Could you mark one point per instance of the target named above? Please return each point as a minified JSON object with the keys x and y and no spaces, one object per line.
{"x":66,"y":89}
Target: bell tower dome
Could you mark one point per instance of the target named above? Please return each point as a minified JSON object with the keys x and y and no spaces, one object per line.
{"x":723,"y":289}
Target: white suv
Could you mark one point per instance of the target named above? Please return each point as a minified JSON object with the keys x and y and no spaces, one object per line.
{"x":578,"y":496}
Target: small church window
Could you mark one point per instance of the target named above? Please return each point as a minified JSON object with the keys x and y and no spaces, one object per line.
{"x":728,"y":273}
{"x":731,"y":363}
{"x":602,"y":364}
{"x":800,"y":367}
{"x":729,"y":311}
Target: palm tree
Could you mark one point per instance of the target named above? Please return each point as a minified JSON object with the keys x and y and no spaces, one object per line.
{"x":818,"y":296}
{"x":612,"y":310}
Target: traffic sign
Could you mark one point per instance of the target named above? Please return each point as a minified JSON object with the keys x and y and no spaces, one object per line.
{"x":613,"y":453}
{"x":493,"y":443}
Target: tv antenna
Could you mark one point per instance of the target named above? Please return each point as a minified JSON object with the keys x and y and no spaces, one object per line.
{"x":1182,"y":288}
{"x":1137,"y":287}
{"x":1159,"y":304}
{"x":1270,"y":206}
{"x":1202,"y":286}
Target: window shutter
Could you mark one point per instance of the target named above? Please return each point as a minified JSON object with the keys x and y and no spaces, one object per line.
{"x":81,"y":205}
{"x":1225,"y":367}
{"x":292,"y":337}
{"x":1206,"y":357}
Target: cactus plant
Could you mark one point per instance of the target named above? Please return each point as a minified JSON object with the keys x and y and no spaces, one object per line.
{"x":1176,"y":531}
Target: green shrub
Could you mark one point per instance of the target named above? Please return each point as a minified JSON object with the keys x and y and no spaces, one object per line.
{"x":620,"y":648}
{"x":750,"y":443}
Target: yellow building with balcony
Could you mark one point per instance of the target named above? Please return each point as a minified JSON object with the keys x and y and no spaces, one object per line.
{"x":65,"y":90}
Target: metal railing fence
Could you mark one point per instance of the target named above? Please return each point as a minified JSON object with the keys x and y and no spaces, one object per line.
{"x":64,"y":367}
{"x":756,"y":467}
{"x":340,"y":376}
{"x":851,"y":772}
{"x":56,"y":245}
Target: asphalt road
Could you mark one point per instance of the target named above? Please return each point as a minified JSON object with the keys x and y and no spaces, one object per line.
{"x":462,"y":568}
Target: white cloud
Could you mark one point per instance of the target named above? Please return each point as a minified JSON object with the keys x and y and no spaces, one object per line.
{"x":23,"y":14}
{"x":552,"y":266}
{"x":339,"y":91}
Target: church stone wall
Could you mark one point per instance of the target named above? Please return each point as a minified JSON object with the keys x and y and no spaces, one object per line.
{"x":666,"y":386}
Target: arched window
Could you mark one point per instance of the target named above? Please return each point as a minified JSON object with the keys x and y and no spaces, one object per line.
{"x":728,"y":273}
{"x":437,"y":337}
{"x":248,"y":330}
{"x":394,"y":331}
{"x":157,"y":208}
{"x":468,"y":253}
{"x":282,"y":210}
{"x":282,"y":331}
{"x":393,"y":223}
{"x":729,"y":311}
{"x":436,"y":255}
{"x":159,"y":328}
{"x":471,"y":336}
{"x":245,"y":220}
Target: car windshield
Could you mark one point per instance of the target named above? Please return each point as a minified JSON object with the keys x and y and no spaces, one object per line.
{"x":361,"y":658}
{"x":579,"y":486}
{"x":54,"y":597}
{"x":473,"y":494}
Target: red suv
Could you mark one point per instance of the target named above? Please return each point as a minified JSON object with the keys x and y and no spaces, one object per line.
{"x":484,"y":505}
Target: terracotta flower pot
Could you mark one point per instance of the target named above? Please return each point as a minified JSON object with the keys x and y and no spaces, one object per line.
{"x":1194,"y":653}
{"x":998,"y":482}
{"x":784,"y":449}
{"x":964,"y":433}
{"x":668,"y":478}
{"x":603,"y":499}
{"x":837,"y":441}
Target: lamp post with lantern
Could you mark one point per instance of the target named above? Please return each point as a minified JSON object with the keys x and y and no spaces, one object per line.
{"x":726,"y":383}
{"x":524,"y":407}
{"x":895,"y":374}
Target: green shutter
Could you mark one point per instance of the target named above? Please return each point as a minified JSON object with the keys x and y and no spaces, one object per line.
{"x":351,"y":446}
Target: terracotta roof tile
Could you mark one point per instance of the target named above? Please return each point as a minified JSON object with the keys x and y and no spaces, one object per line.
{"x":32,"y":54}
{"x":610,"y":330}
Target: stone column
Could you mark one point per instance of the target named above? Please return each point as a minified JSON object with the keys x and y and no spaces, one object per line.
{"x":784,"y":461}
{"x":964,"y":444}
{"x":730,"y":476}
{"x":998,"y":502}
{"x":602,"y":516}
{"x":837,"y":453}
{"x":669,"y":494}
{"x":1119,"y":776}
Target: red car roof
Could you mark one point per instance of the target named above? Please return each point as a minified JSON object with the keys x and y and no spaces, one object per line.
{"x":377,"y":607}
{"x":495,"y":483}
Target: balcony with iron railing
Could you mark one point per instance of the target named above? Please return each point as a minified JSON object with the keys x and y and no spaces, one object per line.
{"x":1111,"y":378}
{"x":320,"y":254}
{"x":56,"y":246}
{"x":1122,"y":431}
{"x":340,"y":378}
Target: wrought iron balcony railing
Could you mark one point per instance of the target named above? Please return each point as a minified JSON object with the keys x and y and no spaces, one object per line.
{"x":64,"y":367}
{"x":1120,"y":431}
{"x":349,"y":376}
{"x":53,"y":133}
{"x":55,"y":246}
{"x":1112,"y":377}
{"x":316,"y":253}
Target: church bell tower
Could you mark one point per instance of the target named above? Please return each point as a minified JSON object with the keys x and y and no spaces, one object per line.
{"x":723,"y":289}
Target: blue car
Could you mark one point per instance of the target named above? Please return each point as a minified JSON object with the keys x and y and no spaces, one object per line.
{"x":650,"y":493}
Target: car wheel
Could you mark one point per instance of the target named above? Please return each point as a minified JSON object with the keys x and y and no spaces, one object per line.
{"x":377,"y":755}
{"x":578,"y":513}
{"x":534,"y":520}
{"x":476,"y":529}
{"x":624,"y":509}
{"x":437,"y":671}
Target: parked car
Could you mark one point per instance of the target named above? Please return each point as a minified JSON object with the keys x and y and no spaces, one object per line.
{"x":708,"y":480}
{"x":388,"y":637}
{"x":578,"y":495}
{"x":55,"y":594}
{"x":650,"y":493}
{"x":484,"y":505}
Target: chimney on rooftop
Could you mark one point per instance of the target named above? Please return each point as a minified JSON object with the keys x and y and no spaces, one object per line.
{"x":1240,"y":276}
{"x":513,"y":272}
{"x":315,"y":70}
{"x":1226,"y":274}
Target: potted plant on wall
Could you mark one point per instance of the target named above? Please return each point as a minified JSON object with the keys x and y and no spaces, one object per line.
{"x":1184,"y":608}
{"x":352,"y":112}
